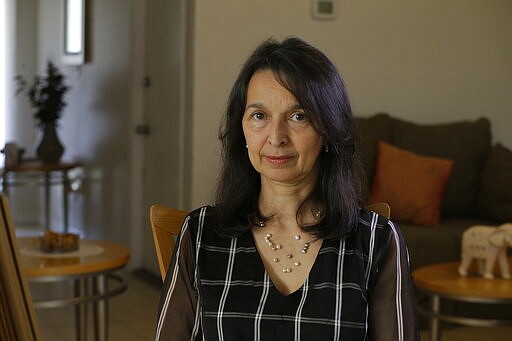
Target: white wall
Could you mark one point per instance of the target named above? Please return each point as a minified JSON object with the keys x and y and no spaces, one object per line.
{"x":426,"y":61}
{"x":20,"y":125}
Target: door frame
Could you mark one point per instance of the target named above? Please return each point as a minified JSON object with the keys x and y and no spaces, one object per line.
{"x":136,"y":141}
{"x":139,"y":215}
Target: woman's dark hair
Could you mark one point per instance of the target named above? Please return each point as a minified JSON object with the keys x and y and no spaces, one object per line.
{"x":313,"y":79}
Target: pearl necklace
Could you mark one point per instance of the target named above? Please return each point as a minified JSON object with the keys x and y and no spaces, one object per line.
{"x":277,"y":247}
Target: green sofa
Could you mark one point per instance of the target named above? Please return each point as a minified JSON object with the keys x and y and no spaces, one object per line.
{"x":479,"y":190}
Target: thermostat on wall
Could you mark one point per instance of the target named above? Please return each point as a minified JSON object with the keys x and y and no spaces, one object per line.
{"x":323,"y":9}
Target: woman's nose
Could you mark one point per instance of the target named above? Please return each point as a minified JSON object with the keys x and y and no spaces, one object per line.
{"x":278,"y":134}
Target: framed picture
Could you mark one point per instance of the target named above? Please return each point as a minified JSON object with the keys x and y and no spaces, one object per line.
{"x":73,"y":32}
{"x":17,"y":317}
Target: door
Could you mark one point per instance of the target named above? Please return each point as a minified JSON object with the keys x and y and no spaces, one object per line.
{"x":163,"y":114}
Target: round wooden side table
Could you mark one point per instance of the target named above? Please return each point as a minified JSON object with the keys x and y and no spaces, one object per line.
{"x":442,"y":281}
{"x":90,"y":268}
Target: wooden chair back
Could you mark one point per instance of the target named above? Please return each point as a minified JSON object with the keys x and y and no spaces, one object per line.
{"x":381,"y":208}
{"x":17,"y":317}
{"x":165,"y":224}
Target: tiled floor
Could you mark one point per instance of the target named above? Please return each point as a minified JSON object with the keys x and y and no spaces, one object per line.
{"x":133,"y":317}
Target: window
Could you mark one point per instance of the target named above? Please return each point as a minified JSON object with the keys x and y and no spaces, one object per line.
{"x":73,"y":32}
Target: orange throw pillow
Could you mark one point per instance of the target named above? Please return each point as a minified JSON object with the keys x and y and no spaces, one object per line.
{"x":412,"y":184}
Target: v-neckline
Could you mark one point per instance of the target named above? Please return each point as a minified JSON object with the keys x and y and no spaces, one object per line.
{"x":272,"y":280}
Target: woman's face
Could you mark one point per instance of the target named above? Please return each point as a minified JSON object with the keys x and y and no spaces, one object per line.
{"x":282,"y":143}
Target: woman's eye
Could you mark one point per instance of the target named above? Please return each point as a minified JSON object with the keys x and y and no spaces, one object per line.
{"x":299,"y":117}
{"x":258,"y":115}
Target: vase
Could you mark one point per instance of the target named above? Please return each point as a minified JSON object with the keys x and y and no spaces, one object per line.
{"x":50,"y":149}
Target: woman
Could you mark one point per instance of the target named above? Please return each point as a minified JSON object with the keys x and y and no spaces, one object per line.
{"x":287,"y":253}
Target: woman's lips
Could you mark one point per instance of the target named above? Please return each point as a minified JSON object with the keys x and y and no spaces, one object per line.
{"x":278,"y":160}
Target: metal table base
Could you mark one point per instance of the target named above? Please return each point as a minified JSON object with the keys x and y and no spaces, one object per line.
{"x":89,"y":289}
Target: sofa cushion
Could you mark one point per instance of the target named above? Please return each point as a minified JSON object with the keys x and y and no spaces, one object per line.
{"x":411,"y":184}
{"x":465,"y":142}
{"x":442,"y":244}
{"x":371,"y":130}
{"x":495,"y":200}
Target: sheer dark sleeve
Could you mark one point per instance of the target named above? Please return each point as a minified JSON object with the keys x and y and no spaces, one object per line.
{"x":392,"y":313}
{"x":178,"y":303}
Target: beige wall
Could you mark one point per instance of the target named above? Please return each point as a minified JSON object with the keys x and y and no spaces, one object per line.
{"x":426,"y":61}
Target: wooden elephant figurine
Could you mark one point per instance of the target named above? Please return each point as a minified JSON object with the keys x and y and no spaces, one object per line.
{"x":486,"y":244}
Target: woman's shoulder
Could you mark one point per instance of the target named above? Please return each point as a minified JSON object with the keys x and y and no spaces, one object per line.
{"x":370,"y":219}
{"x":201,"y":220}
{"x":378,"y":226}
{"x":202,"y":212}
{"x":372,"y":226}
{"x":200,"y":216}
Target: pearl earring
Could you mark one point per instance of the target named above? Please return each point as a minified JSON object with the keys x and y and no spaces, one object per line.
{"x":326,"y":148}
{"x":246,"y":146}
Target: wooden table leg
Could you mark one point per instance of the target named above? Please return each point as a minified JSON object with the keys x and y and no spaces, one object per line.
{"x":101,"y":309}
{"x":435,"y":331}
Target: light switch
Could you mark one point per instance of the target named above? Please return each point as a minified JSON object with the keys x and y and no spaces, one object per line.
{"x":323,"y":9}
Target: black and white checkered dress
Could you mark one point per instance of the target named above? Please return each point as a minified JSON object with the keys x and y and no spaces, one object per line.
{"x":359,"y":288}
